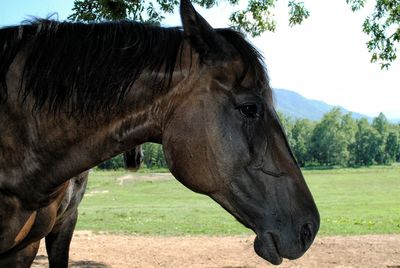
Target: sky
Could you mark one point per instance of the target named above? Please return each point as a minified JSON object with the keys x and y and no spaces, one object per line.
{"x":325,"y":58}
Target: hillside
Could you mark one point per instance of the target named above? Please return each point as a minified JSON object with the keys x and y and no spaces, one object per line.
{"x":295,"y":105}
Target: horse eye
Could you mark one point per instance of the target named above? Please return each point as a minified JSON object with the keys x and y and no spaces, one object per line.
{"x":249,"y":110}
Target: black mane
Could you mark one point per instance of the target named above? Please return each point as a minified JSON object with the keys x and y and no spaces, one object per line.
{"x":87,"y":68}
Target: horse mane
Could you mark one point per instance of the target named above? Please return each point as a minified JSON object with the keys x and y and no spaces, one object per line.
{"x":86,"y":68}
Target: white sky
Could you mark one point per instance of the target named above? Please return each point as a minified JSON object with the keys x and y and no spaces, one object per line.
{"x":325,"y":58}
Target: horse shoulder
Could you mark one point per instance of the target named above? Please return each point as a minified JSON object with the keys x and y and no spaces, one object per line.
{"x":20,"y":226}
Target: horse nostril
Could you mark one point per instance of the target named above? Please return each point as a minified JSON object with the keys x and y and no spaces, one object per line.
{"x":306,"y":235}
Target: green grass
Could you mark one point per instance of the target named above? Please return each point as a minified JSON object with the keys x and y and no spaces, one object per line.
{"x":350,"y":201}
{"x":153,"y":208}
{"x":357,"y":201}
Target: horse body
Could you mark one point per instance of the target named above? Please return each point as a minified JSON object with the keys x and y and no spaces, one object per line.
{"x":73,"y":95}
{"x":59,"y":236}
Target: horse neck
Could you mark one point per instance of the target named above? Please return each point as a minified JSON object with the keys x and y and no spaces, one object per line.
{"x":47,"y":150}
{"x":93,"y":142}
{"x":56,"y":148}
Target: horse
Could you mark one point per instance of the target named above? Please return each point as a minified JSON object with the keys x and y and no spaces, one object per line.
{"x":58,"y":240}
{"x":75,"y":94}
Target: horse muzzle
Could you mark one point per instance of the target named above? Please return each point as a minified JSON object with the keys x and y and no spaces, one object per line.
{"x":274,"y":248}
{"x":266,"y":247}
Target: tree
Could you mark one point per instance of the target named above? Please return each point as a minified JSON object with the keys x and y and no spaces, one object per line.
{"x":381,"y":124}
{"x":287,"y":124}
{"x":348,"y":128}
{"x":382,"y":25}
{"x":366,"y":144}
{"x":113,"y":163}
{"x":111,"y":10}
{"x":301,"y":135}
{"x":392,"y":146}
{"x":153,"y":156}
{"x":383,"y":28}
{"x":328,"y":145}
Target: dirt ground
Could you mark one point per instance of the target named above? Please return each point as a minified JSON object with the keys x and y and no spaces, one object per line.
{"x":91,"y":250}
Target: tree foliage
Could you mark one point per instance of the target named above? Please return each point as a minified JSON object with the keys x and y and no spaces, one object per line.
{"x":153,"y":157}
{"x":108,"y":10}
{"x":328,"y":145}
{"x":382,"y":26}
{"x":392,"y":146}
{"x":365,"y":148}
{"x":339,"y":140}
{"x":113,"y":163}
{"x":301,"y":138}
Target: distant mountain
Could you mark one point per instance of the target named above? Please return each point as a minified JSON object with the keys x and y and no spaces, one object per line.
{"x":294,"y":105}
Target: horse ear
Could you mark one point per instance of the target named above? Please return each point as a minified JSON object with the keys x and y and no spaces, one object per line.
{"x":198,"y":32}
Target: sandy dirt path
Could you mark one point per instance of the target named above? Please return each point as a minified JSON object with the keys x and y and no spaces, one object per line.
{"x":105,"y":250}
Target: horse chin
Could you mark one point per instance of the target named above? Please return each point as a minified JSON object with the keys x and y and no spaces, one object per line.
{"x":266,"y":248}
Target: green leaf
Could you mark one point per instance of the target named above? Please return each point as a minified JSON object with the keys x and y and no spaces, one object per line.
{"x":297,"y":13}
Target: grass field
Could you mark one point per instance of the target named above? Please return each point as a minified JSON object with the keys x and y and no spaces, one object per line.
{"x":350,"y":201}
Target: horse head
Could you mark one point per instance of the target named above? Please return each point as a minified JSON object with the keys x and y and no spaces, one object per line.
{"x":222,"y":137}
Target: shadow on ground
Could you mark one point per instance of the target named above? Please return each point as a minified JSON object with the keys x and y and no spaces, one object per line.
{"x":41,"y":261}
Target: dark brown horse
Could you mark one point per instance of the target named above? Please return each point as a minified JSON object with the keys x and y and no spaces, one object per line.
{"x":73,"y":95}
{"x":58,"y":240}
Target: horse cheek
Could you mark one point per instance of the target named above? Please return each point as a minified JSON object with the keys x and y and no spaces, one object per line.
{"x":187,"y":153}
